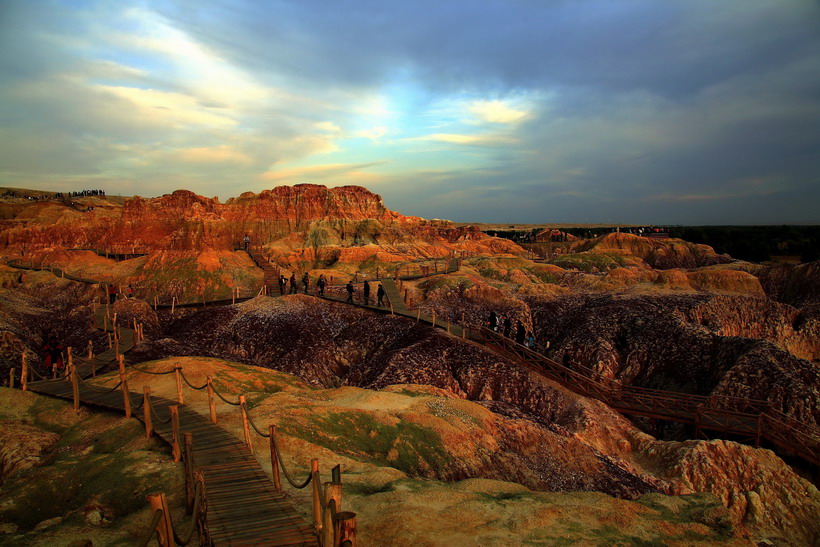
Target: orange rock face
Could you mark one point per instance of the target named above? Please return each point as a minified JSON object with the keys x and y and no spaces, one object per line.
{"x":186,"y":221}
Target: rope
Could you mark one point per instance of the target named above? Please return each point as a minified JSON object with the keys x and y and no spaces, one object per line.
{"x":138,"y":406}
{"x":153,"y":528}
{"x":285,"y":469}
{"x":226,"y":400}
{"x":154,"y":412}
{"x":37,"y":374}
{"x":194,"y":520}
{"x":248,"y":414}
{"x":203,"y":386}
{"x":97,"y":388}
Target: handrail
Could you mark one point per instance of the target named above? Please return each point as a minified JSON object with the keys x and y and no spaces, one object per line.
{"x":152,"y":529}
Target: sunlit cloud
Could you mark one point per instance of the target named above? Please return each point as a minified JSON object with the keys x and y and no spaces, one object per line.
{"x":316,"y":172}
{"x":477,"y":140}
{"x":496,"y":112}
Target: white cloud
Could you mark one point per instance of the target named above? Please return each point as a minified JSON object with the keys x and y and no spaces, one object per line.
{"x":497,"y":112}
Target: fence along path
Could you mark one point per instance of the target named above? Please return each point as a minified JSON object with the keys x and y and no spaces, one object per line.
{"x":231,"y":499}
{"x":750,"y":419}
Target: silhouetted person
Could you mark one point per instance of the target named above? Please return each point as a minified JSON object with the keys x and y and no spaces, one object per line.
{"x":54,"y":354}
{"x":492,"y":321}
{"x":350,"y":290}
{"x":380,"y":295}
{"x":294,"y":288}
{"x":366,"y":293}
{"x":306,"y":282}
{"x":520,"y":333}
{"x":507,"y":326}
{"x":321,"y":284}
{"x":112,"y":294}
{"x":283,"y":283}
{"x":531,"y":341}
{"x":247,"y":242}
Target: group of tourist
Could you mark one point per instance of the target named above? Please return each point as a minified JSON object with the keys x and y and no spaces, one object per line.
{"x":502,"y":324}
{"x":291,"y":285}
{"x":351,"y":290}
{"x":86,"y":193}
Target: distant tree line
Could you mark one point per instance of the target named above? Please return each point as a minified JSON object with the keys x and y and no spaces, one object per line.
{"x":755,"y":243}
{"x":752,"y":243}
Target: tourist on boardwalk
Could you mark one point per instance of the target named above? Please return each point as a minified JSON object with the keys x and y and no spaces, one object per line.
{"x":294,"y":287}
{"x":366,"y":293}
{"x":380,"y":295}
{"x":283,"y":283}
{"x":321,"y":284}
{"x":492,"y":321}
{"x":531,"y":340}
{"x":130,"y":292}
{"x":350,"y":290}
{"x":520,"y":333}
{"x":247,"y":242}
{"x":54,"y":353}
{"x":112,"y":294}
{"x":507,"y":326}
{"x":306,"y":282}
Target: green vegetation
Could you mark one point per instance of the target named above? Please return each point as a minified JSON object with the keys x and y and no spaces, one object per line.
{"x":590,"y":262}
{"x":405,"y":446}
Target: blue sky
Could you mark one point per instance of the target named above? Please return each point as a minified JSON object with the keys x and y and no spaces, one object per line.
{"x":678,"y":112}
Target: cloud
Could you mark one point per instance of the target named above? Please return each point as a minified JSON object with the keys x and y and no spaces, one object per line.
{"x":496,"y":112}
{"x":317,"y":172}
{"x":475,"y":140}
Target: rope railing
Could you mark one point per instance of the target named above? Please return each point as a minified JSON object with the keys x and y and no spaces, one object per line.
{"x":238,"y":403}
{"x":152,"y":529}
{"x":154,"y":412}
{"x":192,"y":386}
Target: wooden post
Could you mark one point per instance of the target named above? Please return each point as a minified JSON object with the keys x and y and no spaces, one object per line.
{"x":233,"y":296}
{"x":434,"y":317}
{"x":24,"y":373}
{"x":178,"y":376}
{"x":165,"y":532}
{"x":175,"y":448}
{"x":75,"y":388}
{"x":245,"y":425}
{"x":156,"y":302}
{"x":189,"y":471}
{"x":391,"y":307}
{"x":11,"y":377}
{"x":274,"y":460}
{"x":146,"y":411}
{"x":90,"y":350}
{"x":418,"y":314}
{"x":347,"y":527}
{"x":330,"y":530}
{"x":317,"y":509}
{"x":116,"y":342}
{"x":211,"y":403}
{"x":173,"y":304}
{"x":110,"y":344}
{"x":121,"y":363}
{"x":126,"y":397}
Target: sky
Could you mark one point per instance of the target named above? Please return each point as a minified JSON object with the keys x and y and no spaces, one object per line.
{"x":526,"y":111}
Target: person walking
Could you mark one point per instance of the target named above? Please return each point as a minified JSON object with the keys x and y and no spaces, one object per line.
{"x":350,"y":291}
{"x":380,"y":295}
{"x":321,"y":284}
{"x":294,"y":287}
{"x":520,"y":333}
{"x":492,"y":321}
{"x":247,"y":242}
{"x":54,"y":354}
{"x":366,"y":293}
{"x":283,"y":283}
{"x":531,"y":340}
{"x":507,"y":326}
{"x":306,"y":282}
{"x":112,"y":294}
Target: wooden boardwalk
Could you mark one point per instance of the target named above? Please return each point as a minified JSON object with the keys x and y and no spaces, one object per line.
{"x":243,"y":507}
